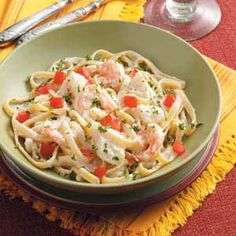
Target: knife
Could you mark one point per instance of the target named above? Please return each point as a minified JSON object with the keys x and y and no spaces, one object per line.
{"x":72,"y":16}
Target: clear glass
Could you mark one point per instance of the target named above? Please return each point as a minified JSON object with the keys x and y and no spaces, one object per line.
{"x":189,"y":19}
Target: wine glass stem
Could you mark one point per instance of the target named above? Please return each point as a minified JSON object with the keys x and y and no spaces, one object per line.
{"x":181,"y":10}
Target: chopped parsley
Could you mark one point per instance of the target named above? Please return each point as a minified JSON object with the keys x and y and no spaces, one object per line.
{"x":28,"y":78}
{"x":181,"y":126}
{"x":133,"y":167}
{"x":136,"y":176}
{"x":53,"y":118}
{"x":192,"y":125}
{"x":143,"y":67}
{"x":199,"y":125}
{"x":124,"y":121}
{"x":105,"y":148}
{"x":73,"y":158}
{"x":150,"y":84}
{"x":88,"y":58}
{"x":78,"y":89}
{"x":95,"y":103}
{"x":167,"y":91}
{"x":155,"y":110}
{"x":87,"y":138}
{"x":61,"y":65}
{"x":72,"y":175}
{"x":101,"y":84}
{"x":102,"y":129}
{"x":115,"y":158}
{"x":94,"y":148}
{"x":89,"y":125}
{"x":135,"y":126}
{"x":126,"y":174}
{"x":169,"y":140}
{"x":68,"y":98}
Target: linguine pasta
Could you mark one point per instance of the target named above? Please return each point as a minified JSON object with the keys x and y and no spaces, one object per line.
{"x":108,"y":118}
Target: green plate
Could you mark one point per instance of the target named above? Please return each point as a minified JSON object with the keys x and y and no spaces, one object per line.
{"x":171,"y":54}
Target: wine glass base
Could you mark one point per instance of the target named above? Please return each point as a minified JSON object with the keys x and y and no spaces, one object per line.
{"x":205,"y":19}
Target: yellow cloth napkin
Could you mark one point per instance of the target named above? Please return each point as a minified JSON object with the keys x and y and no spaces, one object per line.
{"x":158,"y":219}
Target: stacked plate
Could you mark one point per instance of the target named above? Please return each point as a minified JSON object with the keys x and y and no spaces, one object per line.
{"x":154,"y":193}
{"x":171,"y":54}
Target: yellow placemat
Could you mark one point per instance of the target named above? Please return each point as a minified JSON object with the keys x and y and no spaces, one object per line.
{"x":158,"y":219}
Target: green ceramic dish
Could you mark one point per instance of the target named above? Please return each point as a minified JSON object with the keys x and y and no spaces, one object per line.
{"x":171,"y":54}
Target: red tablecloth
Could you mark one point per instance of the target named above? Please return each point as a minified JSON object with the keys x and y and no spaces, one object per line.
{"x":217,"y":216}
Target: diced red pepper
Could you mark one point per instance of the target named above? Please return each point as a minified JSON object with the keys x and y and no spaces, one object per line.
{"x":89,"y":81}
{"x":130,"y":101}
{"x":133,"y":72}
{"x":178,"y":148}
{"x":113,"y":122}
{"x":22,"y":116}
{"x":56,"y":102}
{"x":131,"y":160}
{"x":44,"y":89}
{"x":88,"y":153}
{"x":99,"y":171}
{"x":169,"y":100}
{"x":59,"y":77}
{"x":47,"y":149}
{"x":83,"y":71}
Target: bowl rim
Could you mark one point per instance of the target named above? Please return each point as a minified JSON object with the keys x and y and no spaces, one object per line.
{"x":60,"y":180}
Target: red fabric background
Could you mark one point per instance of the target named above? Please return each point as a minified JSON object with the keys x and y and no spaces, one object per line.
{"x":216,"y":216}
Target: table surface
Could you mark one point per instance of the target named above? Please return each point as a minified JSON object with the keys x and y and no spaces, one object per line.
{"x":217,"y":214}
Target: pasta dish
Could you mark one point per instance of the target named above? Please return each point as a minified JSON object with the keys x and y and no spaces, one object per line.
{"x":105,"y":118}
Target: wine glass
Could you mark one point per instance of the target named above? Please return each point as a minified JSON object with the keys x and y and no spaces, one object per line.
{"x":189,"y":19}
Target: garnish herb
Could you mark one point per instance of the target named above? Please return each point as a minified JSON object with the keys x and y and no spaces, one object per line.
{"x":115,"y":158}
{"x":143,"y":67}
{"x":102,"y":129}
{"x":94,"y":148}
{"x":181,"y":126}
{"x":28,"y":78}
{"x":169,"y":140}
{"x":155,"y":110}
{"x":68,"y":98}
{"x":136,"y":176}
{"x":72,"y":175}
{"x":53,"y":118}
{"x":124,"y":121}
{"x":126,"y":174}
{"x":87,"y":138}
{"x":192,"y":125}
{"x":78,"y":89}
{"x":73,"y":158}
{"x":89,"y":125}
{"x":133,"y":167}
{"x":105,"y":148}
{"x":60,"y":65}
{"x":167,"y":91}
{"x":150,"y":84}
{"x":95,"y":103}
{"x":88,"y":58}
{"x":135,"y":126}
{"x":199,"y":125}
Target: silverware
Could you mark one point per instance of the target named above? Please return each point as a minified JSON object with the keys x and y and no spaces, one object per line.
{"x":72,"y":16}
{"x":18,"y":29}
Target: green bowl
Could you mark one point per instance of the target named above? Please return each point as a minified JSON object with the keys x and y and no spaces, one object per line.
{"x":171,"y":54}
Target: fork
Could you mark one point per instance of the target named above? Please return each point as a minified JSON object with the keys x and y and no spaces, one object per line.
{"x":15,"y":31}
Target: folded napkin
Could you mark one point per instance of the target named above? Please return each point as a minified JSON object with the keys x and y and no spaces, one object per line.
{"x":158,"y":219}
